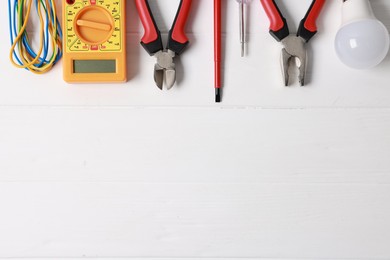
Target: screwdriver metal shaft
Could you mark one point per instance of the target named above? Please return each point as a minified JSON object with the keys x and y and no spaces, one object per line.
{"x":242,"y":26}
{"x":242,"y":20}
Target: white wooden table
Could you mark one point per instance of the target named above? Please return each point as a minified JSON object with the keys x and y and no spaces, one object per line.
{"x":127,"y":171}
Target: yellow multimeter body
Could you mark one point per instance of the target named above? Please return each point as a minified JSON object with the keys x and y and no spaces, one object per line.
{"x":94,"y":41}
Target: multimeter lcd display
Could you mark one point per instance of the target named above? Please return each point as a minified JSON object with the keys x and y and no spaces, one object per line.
{"x":94,"y":66}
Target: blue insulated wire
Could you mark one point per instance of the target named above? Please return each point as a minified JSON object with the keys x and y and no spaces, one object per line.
{"x":13,"y":28}
{"x":12,"y":25}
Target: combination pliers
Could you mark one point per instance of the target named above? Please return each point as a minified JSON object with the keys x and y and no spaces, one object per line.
{"x":294,"y":45}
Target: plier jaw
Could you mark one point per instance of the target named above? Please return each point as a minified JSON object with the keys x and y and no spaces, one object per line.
{"x":293,"y":47}
{"x":164,"y":69}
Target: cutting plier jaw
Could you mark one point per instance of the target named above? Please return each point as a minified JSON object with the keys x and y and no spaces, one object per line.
{"x":165,"y":69}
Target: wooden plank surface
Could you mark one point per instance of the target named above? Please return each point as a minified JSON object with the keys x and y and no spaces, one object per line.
{"x":184,"y":220}
{"x":195,"y":145}
{"x":129,"y":172}
{"x":279,"y":183}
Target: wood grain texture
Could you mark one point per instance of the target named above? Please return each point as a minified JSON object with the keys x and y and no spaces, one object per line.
{"x":277,"y":183}
{"x":129,"y":172}
{"x":186,"y":145}
{"x":113,"y":219}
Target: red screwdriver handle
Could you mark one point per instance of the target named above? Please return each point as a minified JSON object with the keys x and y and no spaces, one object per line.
{"x":278,"y":24}
{"x":178,"y":40}
{"x":151,"y":39}
{"x":308,"y":27}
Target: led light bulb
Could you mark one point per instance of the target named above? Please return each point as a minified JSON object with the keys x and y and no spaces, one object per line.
{"x":362,"y":42}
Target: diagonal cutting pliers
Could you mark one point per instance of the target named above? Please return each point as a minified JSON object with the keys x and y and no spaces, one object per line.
{"x":294,"y":45}
{"x":164,"y":70}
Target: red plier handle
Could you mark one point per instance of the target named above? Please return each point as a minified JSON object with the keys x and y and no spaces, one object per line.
{"x":151,"y":39}
{"x":278,"y":24}
{"x":308,"y":26}
{"x":177,"y":40}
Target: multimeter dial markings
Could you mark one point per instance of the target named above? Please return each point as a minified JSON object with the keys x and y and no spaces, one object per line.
{"x":78,"y":45}
{"x":71,"y":12}
{"x":93,"y":25}
{"x":113,"y":44}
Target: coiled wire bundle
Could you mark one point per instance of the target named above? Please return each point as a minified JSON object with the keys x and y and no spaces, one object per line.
{"x":49,"y":50}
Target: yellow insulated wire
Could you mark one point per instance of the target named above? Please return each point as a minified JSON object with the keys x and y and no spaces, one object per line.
{"x":22,"y":54}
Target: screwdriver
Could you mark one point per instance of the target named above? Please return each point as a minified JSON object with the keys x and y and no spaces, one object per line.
{"x":242,"y":11}
{"x":217,"y":49}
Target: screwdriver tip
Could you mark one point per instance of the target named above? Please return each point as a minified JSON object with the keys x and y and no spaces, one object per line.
{"x":218,"y":95}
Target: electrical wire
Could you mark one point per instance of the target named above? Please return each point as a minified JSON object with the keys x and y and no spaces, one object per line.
{"x":49,"y":51}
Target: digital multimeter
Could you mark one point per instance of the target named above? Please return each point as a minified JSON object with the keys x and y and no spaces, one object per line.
{"x":94,"y":41}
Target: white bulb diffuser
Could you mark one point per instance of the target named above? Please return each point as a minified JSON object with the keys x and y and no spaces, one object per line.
{"x":362,"y":41}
